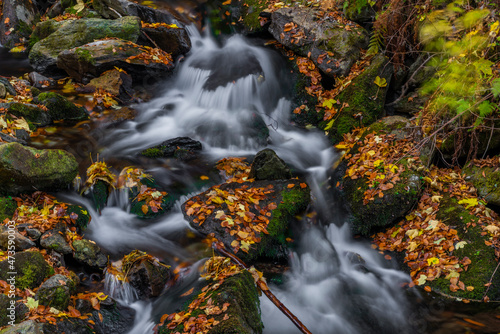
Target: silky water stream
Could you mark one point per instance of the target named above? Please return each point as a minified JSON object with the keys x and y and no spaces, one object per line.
{"x":220,"y":95}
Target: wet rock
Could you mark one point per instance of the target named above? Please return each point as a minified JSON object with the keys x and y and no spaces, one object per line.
{"x":18,"y":15}
{"x":90,"y":60}
{"x":31,"y":269}
{"x":34,"y":233}
{"x":288,"y":195}
{"x":177,"y":147}
{"x":68,"y":325}
{"x":8,"y":86}
{"x":55,"y":241}
{"x":20,"y":241}
{"x":172,"y":40}
{"x":268,"y":166}
{"x":73,"y":33}
{"x":149,"y":279}
{"x":61,"y":109}
{"x":240,"y":292}
{"x":112,"y":9}
{"x":332,"y":48}
{"x":43,"y":30}
{"x":7,"y":208}
{"x":31,"y":113}
{"x":56,"y":292}
{"x":365,"y":100}
{"x":13,"y":311}
{"x":80,"y":216}
{"x":116,"y":319}
{"x":486,"y":180}
{"x":25,"y":169}
{"x":359,"y":12}
{"x":88,"y":253}
{"x":25,"y":327}
{"x":118,"y":83}
{"x":3,"y":91}
{"x":40,"y":81}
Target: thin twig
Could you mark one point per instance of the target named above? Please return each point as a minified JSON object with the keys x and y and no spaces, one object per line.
{"x":263,"y":287}
{"x":491,"y":279}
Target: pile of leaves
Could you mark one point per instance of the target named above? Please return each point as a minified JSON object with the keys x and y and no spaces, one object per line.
{"x":151,"y":55}
{"x":158,"y":25}
{"x":379,"y":158}
{"x":120,"y":269}
{"x":99,"y":171}
{"x":429,"y":242}
{"x":234,"y":169}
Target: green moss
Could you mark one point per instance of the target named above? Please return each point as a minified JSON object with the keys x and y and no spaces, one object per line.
{"x":483,"y":260}
{"x":31,"y":269}
{"x":251,"y":11}
{"x":31,"y":113}
{"x":85,"y":56}
{"x":83,"y":218}
{"x":153,"y":152}
{"x":23,"y":29}
{"x":7,"y":208}
{"x":60,"y":108}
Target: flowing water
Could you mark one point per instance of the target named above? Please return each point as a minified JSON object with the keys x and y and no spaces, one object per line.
{"x":220,"y":95}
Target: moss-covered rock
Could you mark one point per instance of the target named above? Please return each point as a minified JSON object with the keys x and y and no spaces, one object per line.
{"x":359,"y":11}
{"x":240,"y":293}
{"x":241,"y":15}
{"x":19,"y":15}
{"x":25,"y":169}
{"x":73,"y":33}
{"x":30,"y":267}
{"x":7,"y":208}
{"x":61,"y":109}
{"x":31,"y":113}
{"x":268,"y":166}
{"x":332,"y":47}
{"x":175,"y":41}
{"x":20,"y":241}
{"x":43,"y":30}
{"x":173,"y":147}
{"x":80,"y":215}
{"x":53,"y":240}
{"x":56,"y":292}
{"x":148,"y":279}
{"x":483,"y":260}
{"x":486,"y":180}
{"x":88,"y":253}
{"x":364,"y":98}
{"x":290,"y":199}
{"x":25,"y":327}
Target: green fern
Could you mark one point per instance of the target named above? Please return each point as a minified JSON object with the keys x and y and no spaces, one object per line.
{"x":376,"y":40}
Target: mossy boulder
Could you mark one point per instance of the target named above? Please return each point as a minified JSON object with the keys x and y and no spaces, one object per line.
{"x":73,"y":33}
{"x":136,"y":207}
{"x":113,"y":9}
{"x":56,"y":292}
{"x":486,"y":180}
{"x":13,"y":312}
{"x":243,"y":16}
{"x":52,"y":240}
{"x":7,"y":208}
{"x":117,"y":83}
{"x":31,"y":113}
{"x":180,"y":147}
{"x":244,"y":307}
{"x":88,"y":253}
{"x":80,"y":215}
{"x":31,"y":269}
{"x":290,"y":199}
{"x":20,"y":241}
{"x":19,"y":15}
{"x":148,"y":279}
{"x":332,"y":47}
{"x":25,"y":169}
{"x":61,"y":109}
{"x":365,"y":100}
{"x":43,"y":30}
{"x":25,"y":327}
{"x":359,"y":11}
{"x":90,"y":60}
{"x":483,"y":260}
{"x":267,"y":165}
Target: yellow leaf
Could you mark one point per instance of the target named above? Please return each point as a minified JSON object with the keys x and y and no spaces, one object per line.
{"x":469,"y":202}
{"x":412,"y":233}
{"x":80,"y":5}
{"x":21,"y":124}
{"x":204,"y":177}
{"x":436,"y":198}
{"x":381,"y":82}
{"x":460,"y":244}
{"x":217,"y":200}
{"x":432,"y":224}
{"x":371,"y":152}
{"x":219,"y":214}
{"x":412,"y":246}
{"x":242,"y":235}
{"x":393,"y":235}
{"x":422,"y":279}
{"x":432,"y":261}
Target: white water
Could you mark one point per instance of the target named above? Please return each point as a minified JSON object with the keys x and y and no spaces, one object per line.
{"x":327,"y":291}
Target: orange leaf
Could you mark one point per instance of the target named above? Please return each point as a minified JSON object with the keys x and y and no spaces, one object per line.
{"x":470,"y":321}
{"x":7,"y":20}
{"x":187,"y":293}
{"x":144,"y":208}
{"x":428,"y":289}
{"x":291,"y":185}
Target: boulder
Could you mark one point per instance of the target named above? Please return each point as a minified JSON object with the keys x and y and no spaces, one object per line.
{"x":175,"y":41}
{"x":30,"y":267}
{"x":148,"y":278}
{"x":359,"y":11}
{"x":16,"y":313}
{"x":61,"y":109}
{"x":91,"y":60}
{"x":113,"y":9}
{"x":333,"y":46}
{"x":3,"y":91}
{"x":40,"y":81}
{"x":243,"y":307}
{"x":282,"y":200}
{"x":43,"y":30}
{"x":364,"y":100}
{"x":268,"y":166}
{"x":486,"y":180}
{"x":25,"y":169}
{"x":56,"y":292}
{"x":20,"y":241}
{"x":180,"y":147}
{"x":88,"y":253}
{"x":8,"y":86}
{"x":31,"y":113}
{"x":117,"y":83}
{"x":25,"y":327}
{"x":17,"y":18}
{"x":73,"y":33}
{"x":53,"y":240}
